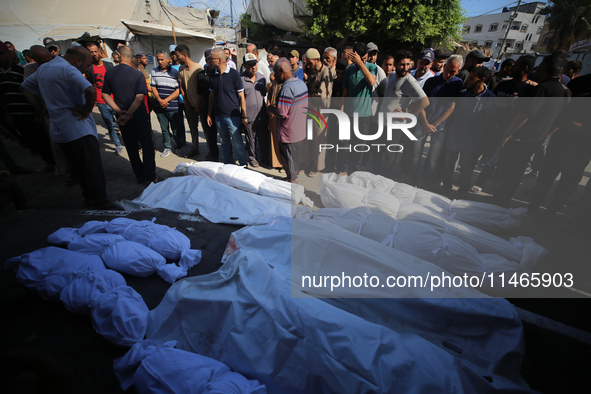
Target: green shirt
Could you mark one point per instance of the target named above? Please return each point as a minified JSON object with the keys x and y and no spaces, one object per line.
{"x":359,"y":90}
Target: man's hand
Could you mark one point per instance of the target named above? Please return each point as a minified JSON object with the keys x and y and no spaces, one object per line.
{"x":209,"y":121}
{"x":123,"y":118}
{"x":163,"y":104}
{"x":81,"y":112}
{"x":429,"y":128}
{"x":355,"y":58}
{"x":244,"y":122}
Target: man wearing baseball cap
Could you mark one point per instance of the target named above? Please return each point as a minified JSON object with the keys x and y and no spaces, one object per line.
{"x":52,"y":46}
{"x":423,"y":70}
{"x":440,"y":58}
{"x":294,"y":60}
{"x":257,"y":129}
{"x":473,"y":60}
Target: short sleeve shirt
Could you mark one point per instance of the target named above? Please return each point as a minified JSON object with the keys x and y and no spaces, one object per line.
{"x":291,"y":106}
{"x":400,"y":92}
{"x":124,"y":83}
{"x":358,"y":88}
{"x":62,"y":87}
{"x":166,"y":82}
{"x":226,"y":87}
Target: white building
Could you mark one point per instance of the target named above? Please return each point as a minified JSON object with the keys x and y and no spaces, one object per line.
{"x":519,"y":28}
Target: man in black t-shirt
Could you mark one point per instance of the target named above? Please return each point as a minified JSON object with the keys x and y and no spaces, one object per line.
{"x":530,"y":126}
{"x":128,"y":87}
{"x":211,"y":133}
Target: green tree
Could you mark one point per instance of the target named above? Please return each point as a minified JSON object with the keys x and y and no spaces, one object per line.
{"x":335,"y":21}
{"x":569,"y":20}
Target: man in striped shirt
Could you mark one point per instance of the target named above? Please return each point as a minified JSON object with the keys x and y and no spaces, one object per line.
{"x":291,"y":117}
{"x":165,"y":87}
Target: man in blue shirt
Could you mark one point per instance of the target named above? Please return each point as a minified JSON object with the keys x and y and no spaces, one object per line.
{"x":165,"y":87}
{"x":69,"y":99}
{"x":227,"y":104}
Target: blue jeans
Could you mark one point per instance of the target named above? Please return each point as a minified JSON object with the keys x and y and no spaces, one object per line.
{"x":229,"y":130}
{"x":169,"y":120}
{"x":107,"y":113}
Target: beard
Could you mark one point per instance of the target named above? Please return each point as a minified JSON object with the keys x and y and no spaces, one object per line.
{"x":312,"y":71}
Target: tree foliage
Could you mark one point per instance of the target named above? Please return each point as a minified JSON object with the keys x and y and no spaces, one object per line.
{"x":335,"y":21}
{"x":570,"y":20}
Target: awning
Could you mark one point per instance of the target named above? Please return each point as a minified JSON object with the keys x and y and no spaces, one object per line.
{"x":141,"y":28}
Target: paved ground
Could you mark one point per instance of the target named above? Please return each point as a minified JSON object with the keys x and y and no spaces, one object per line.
{"x":552,"y":361}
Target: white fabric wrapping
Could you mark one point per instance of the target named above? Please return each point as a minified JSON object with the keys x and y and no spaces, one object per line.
{"x":119,"y":225}
{"x":94,"y":243}
{"x":63,"y":236}
{"x":92,"y":227}
{"x":170,"y":244}
{"x":143,"y":231}
{"x":152,"y":369}
{"x":247,"y":180}
{"x":121,"y":316}
{"x":261,"y":330}
{"x":488,"y":217}
{"x":459,"y":323}
{"x":84,"y":291}
{"x":216,"y":202}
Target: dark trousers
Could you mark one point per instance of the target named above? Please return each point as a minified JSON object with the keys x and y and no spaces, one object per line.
{"x":138,"y":132}
{"x":181,"y":131}
{"x":290,"y":159}
{"x":567,"y":154}
{"x":467,"y":163}
{"x":35,"y":137}
{"x":169,"y":120}
{"x":211,"y":137}
{"x":258,"y":130}
{"x":84,"y":158}
{"x":512,"y":162}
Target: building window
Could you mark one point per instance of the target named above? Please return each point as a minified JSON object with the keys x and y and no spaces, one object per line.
{"x":514,"y":27}
{"x":466,"y":29}
{"x":523,"y":28}
{"x":546,"y":41}
{"x":478,"y":29}
{"x":488,"y":44}
{"x":504,"y":27}
{"x":493,"y":27}
{"x":518,"y":45}
{"x":528,"y":37}
{"x":536,"y":19}
{"x":498,"y":44}
{"x":539,"y":30}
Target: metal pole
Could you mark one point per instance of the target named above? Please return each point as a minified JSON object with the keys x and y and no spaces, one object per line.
{"x":511,"y":18}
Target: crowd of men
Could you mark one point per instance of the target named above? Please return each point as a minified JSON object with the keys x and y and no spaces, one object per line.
{"x":467,"y":114}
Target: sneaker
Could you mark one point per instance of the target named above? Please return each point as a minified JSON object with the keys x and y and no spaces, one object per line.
{"x":475,"y":189}
{"x":118,"y":150}
{"x":165,"y":153}
{"x":253,"y":163}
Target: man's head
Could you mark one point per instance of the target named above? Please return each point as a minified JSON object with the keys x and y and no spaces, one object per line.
{"x":361,"y":49}
{"x":345,"y":51}
{"x":477,"y":78}
{"x":283,"y":70}
{"x":313,"y":61}
{"x":125,"y":54}
{"x":52,"y":46}
{"x":439,"y":61}
{"x":79,"y":57}
{"x":228,"y":54}
{"x":27,"y":55}
{"x":551,"y":67}
{"x":252,"y":48}
{"x":10,"y":46}
{"x":174,"y":59}
{"x":293,"y":57}
{"x":218,"y":58}
{"x":183,"y":53}
{"x":163,"y":59}
{"x":425,"y":61}
{"x":388,"y":64}
{"x":572,"y":69}
{"x":452,"y":67}
{"x":506,"y":67}
{"x":250,"y":63}
{"x":522,"y":67}
{"x":329,"y":57}
{"x":40,"y":54}
{"x":273,"y":59}
{"x":372,"y":53}
{"x":142,"y":58}
{"x":340,"y":67}
{"x":402,"y":62}
{"x":115,"y":56}
{"x":475,"y":59}
{"x":95,"y":52}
